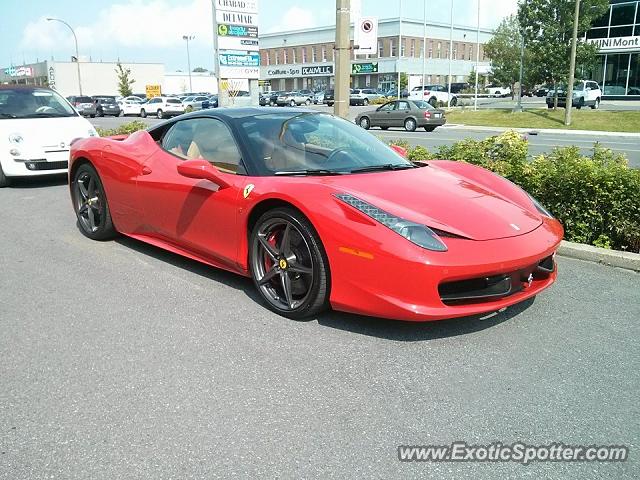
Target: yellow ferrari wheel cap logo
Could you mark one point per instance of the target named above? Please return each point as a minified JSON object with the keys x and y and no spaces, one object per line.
{"x":248,"y":189}
{"x":283,"y":264}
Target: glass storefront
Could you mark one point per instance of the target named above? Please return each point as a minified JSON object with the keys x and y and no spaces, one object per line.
{"x":618,"y":69}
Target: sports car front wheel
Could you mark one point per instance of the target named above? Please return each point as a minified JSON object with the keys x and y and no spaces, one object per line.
{"x":288,"y":264}
{"x":91,"y":205}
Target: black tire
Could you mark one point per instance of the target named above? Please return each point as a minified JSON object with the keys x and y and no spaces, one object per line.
{"x":308,"y":253}
{"x":100,"y":113}
{"x":429,"y":128}
{"x":596,"y":105}
{"x":549,"y":105}
{"x":384,"y":128}
{"x":160,"y":114}
{"x":89,"y":196}
{"x":433,"y":101}
{"x":143,"y":113}
{"x":92,"y":116}
{"x":4,"y":181}
{"x":365,"y":123}
{"x":365,"y":102}
{"x":307,"y":102}
{"x":410,"y":125}
{"x":453,"y":102}
{"x":292,"y":103}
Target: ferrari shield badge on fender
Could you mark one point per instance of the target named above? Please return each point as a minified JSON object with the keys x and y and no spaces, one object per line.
{"x":247,"y":190}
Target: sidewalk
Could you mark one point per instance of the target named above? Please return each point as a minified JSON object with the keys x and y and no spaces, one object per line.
{"x":461,"y":126}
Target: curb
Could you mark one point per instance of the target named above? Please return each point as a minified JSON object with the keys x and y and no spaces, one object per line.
{"x":462,"y":126}
{"x":613,"y":258}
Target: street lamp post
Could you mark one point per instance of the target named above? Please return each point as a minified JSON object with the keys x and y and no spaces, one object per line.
{"x":75,"y":39}
{"x":518,"y":107}
{"x":187,"y":38}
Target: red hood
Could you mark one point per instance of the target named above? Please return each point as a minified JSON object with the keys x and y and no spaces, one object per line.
{"x":441,"y":200}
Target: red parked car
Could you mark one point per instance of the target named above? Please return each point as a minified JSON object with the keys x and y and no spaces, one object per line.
{"x":319,"y":213}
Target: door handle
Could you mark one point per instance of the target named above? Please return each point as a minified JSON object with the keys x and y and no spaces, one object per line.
{"x":146,"y":170}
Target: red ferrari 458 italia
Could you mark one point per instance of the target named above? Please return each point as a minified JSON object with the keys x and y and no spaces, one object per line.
{"x":319,"y":213}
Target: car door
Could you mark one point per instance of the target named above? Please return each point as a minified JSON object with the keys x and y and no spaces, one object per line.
{"x":400,"y":113}
{"x":383,"y":115}
{"x":194,"y":214}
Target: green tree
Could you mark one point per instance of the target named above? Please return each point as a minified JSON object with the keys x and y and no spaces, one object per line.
{"x":124,"y":80}
{"x":504,"y":51}
{"x":547,"y":26}
{"x":404,"y":80}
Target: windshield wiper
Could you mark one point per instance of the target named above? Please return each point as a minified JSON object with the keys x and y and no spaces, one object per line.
{"x":386,"y":166}
{"x":47,"y":115}
{"x":316,"y":171}
{"x":7,"y":115}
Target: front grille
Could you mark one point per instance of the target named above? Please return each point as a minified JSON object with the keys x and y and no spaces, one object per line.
{"x":482,"y":289}
{"x":47,"y":165}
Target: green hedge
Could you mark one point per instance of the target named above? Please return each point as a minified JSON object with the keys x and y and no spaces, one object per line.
{"x":595,"y":196}
{"x":124,"y":129}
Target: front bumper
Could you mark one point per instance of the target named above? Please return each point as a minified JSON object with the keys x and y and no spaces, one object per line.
{"x":35,"y":165}
{"x":408,"y":284}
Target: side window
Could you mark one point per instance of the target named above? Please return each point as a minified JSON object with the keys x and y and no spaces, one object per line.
{"x":387,"y":107}
{"x":403,"y":106}
{"x":204,"y":138}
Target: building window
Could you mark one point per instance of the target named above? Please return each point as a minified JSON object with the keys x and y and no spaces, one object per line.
{"x":324,"y":53}
{"x":314,"y":54}
{"x":277,"y":57}
{"x":304,"y":54}
{"x":439,"y":54}
{"x":267,"y":60}
{"x":294,"y":56}
{"x":380,"y":48}
{"x":413,"y":48}
{"x":285,"y":56}
{"x":394,"y":47}
{"x":403,"y":49}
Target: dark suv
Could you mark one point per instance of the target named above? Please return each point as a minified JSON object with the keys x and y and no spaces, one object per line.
{"x":106,"y":106}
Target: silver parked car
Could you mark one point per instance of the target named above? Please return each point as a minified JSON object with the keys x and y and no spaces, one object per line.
{"x":409,"y":114}
{"x":292,"y":99}
{"x":194,"y":102}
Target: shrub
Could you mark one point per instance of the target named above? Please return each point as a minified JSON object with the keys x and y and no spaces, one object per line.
{"x":124,"y":129}
{"x":380,"y":100}
{"x":595,"y":197}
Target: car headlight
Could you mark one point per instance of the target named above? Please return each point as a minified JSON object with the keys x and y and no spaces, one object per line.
{"x":15,"y":138}
{"x":420,"y":235}
{"x":540,"y":208}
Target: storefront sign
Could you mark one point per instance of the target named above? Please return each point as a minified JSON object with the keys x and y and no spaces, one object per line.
{"x":226,"y":30}
{"x":239,"y":72}
{"x":244,"y":6}
{"x":616,"y":44}
{"x":235,"y":43}
{"x":317,"y":70}
{"x":357,"y":68}
{"x":236,"y":59}
{"x":19,"y":71}
{"x":237,"y":18}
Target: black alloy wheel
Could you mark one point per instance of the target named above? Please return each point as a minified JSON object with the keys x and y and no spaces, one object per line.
{"x":91,"y":205}
{"x":288,"y":264}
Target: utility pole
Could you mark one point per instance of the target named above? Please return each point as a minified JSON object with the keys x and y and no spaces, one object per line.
{"x":450,"y":57}
{"x":342,"y":61}
{"x":475,"y":98}
{"x":424,"y":45}
{"x":518,"y":107}
{"x":187,"y":38}
{"x":399,"y":48}
{"x":75,"y":39}
{"x":572,"y":67}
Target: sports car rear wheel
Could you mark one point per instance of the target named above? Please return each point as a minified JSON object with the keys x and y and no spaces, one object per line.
{"x":288,"y":264}
{"x":91,"y":205}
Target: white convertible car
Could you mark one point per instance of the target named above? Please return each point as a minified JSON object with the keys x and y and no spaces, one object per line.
{"x":37,"y":126}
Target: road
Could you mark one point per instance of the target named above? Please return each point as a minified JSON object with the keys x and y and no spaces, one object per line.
{"x":540,"y":143}
{"x":122,"y":361}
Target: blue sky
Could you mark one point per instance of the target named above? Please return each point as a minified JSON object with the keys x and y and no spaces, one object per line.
{"x":151,"y":30}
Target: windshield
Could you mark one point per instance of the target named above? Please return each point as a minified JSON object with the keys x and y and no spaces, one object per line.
{"x":33,"y":103}
{"x":286,"y":143}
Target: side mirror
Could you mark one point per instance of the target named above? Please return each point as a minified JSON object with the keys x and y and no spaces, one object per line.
{"x":201,"y":169}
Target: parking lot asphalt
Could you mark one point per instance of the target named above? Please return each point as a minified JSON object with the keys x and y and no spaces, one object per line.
{"x":122,"y":361}
{"x":538,"y":144}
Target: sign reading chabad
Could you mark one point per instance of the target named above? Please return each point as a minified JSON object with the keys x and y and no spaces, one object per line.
{"x":236,"y":32}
